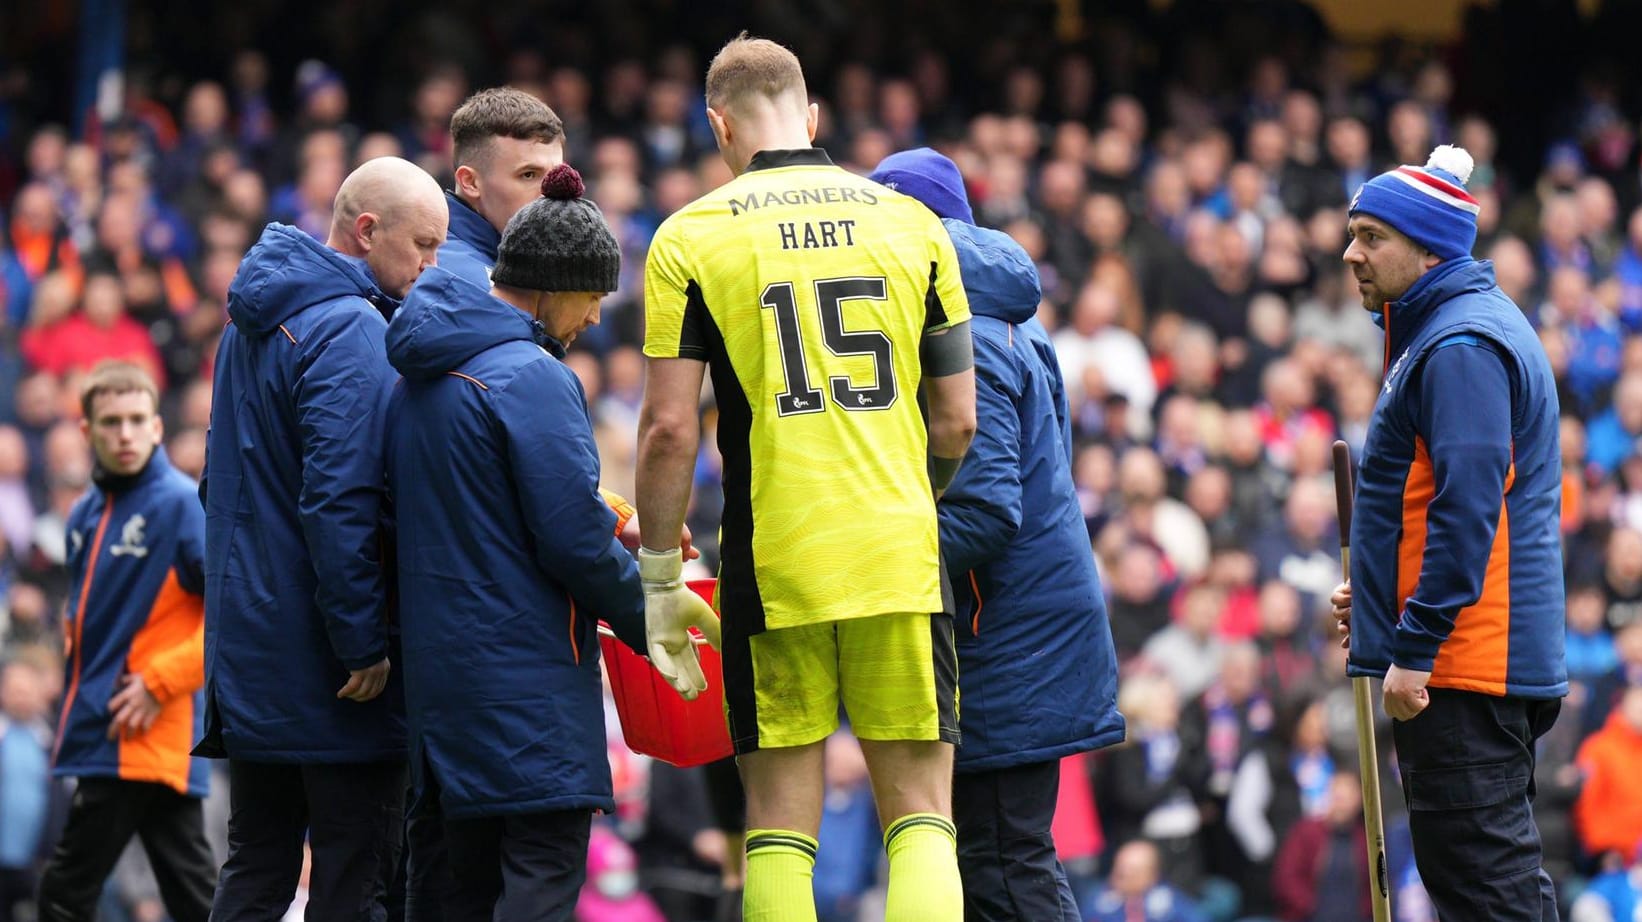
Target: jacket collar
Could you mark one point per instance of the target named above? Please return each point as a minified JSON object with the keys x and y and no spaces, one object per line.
{"x":548,"y":341}
{"x":775,"y":159}
{"x":117,"y":484}
{"x":470,"y":227}
{"x":1402,"y":318}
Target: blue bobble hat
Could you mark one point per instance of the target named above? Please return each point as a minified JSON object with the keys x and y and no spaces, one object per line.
{"x":930,"y":177}
{"x":1429,"y":204}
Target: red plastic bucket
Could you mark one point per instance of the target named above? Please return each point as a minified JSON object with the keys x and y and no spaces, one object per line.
{"x":655,"y":720}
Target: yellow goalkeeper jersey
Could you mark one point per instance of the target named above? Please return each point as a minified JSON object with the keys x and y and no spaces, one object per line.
{"x":807,"y":290}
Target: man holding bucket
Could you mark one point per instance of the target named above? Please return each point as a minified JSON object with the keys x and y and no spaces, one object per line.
{"x":507,"y":556}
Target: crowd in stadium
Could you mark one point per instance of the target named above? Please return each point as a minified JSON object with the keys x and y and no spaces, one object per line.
{"x":1212,"y":344}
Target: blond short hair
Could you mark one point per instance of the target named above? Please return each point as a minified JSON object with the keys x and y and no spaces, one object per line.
{"x":747,"y":68}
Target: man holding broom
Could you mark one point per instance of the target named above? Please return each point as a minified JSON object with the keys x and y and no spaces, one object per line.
{"x":1455,"y":593}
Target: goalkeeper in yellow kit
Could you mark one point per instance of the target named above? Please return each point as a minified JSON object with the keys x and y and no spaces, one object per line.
{"x":826,"y":307}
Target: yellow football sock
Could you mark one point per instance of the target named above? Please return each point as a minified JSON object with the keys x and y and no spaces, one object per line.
{"x":923,"y":870}
{"x":780,"y":875}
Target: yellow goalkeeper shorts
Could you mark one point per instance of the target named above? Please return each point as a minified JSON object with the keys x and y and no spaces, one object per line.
{"x":896,"y":676}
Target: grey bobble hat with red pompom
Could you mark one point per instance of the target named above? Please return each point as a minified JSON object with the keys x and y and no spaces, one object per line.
{"x":558,"y":242}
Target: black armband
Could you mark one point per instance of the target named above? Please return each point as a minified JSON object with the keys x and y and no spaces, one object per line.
{"x":942,"y":470}
{"x":947,"y":351}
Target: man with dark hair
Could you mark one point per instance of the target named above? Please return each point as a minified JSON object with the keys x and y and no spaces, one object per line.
{"x":1455,"y":594}
{"x":503,"y":143}
{"x":298,"y":641}
{"x":136,"y":623}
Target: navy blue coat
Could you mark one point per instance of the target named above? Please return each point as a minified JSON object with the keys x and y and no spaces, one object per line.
{"x":293,"y":489}
{"x":1036,"y":668}
{"x":469,"y":249}
{"x":507,"y":557}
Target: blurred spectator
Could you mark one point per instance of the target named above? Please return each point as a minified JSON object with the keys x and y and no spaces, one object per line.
{"x":1150,"y":786}
{"x":1150,"y":514}
{"x":1608,"y":813}
{"x":1589,"y":645}
{"x":16,"y":509}
{"x":1140,"y":598}
{"x":611,"y":893}
{"x":1284,"y":641}
{"x":1614,"y":895}
{"x":37,"y":237}
{"x":846,"y":866}
{"x":1190,"y":651}
{"x":31,"y":802}
{"x":1094,"y":340}
{"x":1621,"y":579}
{"x":1613,"y":433}
{"x":204,"y":127}
{"x":1284,"y":778}
{"x":679,"y":853}
{"x":424,"y":139}
{"x":1302,"y":550}
{"x":100,"y":330}
{"x":1322,"y":871}
{"x":1136,"y":891}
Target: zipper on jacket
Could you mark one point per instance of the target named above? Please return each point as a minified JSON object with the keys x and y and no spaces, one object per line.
{"x":1385,"y":366}
{"x":975,"y":622}
{"x":79,"y":626}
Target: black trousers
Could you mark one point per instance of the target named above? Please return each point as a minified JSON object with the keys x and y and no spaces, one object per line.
{"x":1467,"y":766}
{"x":351,"y":815}
{"x":521,"y":867}
{"x":105,"y":814}
{"x":1005,"y":852}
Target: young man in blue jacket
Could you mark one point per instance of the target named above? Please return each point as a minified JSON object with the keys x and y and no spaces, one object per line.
{"x":1036,"y":670}
{"x":297,"y":639}
{"x":1455,"y":593}
{"x":504,"y":141}
{"x":136,"y":623}
{"x":508,"y":559}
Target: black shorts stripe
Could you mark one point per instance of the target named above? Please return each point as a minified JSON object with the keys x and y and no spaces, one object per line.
{"x":945,"y":653}
{"x":740,"y":694}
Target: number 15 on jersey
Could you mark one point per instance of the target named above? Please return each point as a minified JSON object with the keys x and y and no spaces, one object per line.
{"x":800,"y":396}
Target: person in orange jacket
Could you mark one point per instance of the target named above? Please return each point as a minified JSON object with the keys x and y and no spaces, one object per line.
{"x":136,"y":662}
{"x":1608,"y":812}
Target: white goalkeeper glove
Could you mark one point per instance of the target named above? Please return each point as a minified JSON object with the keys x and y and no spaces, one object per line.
{"x":670,"y":610}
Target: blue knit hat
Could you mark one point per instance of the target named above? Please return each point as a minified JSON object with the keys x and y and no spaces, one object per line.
{"x":1429,"y":204}
{"x":930,"y":177}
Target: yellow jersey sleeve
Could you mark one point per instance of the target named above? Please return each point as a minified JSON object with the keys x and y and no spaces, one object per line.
{"x":946,"y":303}
{"x":673,"y":307}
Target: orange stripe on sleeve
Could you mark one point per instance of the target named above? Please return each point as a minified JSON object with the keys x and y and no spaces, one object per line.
{"x":78,"y":630}
{"x":975,"y":622}
{"x":575,"y":648}
{"x":468,"y":378}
